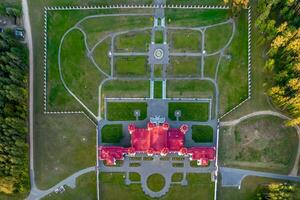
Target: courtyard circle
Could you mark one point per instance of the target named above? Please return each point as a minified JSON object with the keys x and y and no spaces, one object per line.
{"x":156,"y":182}
{"x":158,"y":54}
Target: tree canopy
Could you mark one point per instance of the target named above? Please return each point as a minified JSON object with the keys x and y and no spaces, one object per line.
{"x":13,"y":115}
{"x":279,"y":24}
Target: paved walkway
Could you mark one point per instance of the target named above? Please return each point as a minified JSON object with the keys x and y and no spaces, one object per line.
{"x":232,"y":177}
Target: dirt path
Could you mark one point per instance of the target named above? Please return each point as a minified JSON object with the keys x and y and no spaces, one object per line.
{"x":294,"y":170}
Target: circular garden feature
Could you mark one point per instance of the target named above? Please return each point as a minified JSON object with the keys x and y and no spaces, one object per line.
{"x":156,"y":182}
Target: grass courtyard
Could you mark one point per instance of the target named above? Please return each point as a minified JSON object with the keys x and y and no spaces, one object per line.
{"x":124,"y":111}
{"x":112,"y":133}
{"x":191,"y":42}
{"x":184,"y":66}
{"x":131,"y":66}
{"x":199,"y":187}
{"x":260,"y":143}
{"x":190,"y":89}
{"x":202,"y":134}
{"x":189,"y":111}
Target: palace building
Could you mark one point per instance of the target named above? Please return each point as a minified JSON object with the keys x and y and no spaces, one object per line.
{"x":157,"y":139}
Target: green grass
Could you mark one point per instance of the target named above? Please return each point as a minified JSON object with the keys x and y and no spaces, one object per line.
{"x":133,"y":42}
{"x":80,"y":75}
{"x":112,"y":133}
{"x":63,"y":145}
{"x":101,"y":26}
{"x":158,"y":71}
{"x":184,"y":66}
{"x":190,"y":88}
{"x":86,"y":188}
{"x":233,"y":73}
{"x":217,"y":37}
{"x":159,"y":37}
{"x":101,"y":57}
{"x":156,"y":182}
{"x":133,"y":176}
{"x":125,"y":111}
{"x":210,"y":65}
{"x":185,"y":40}
{"x":135,"y":88}
{"x":194,"y":17}
{"x":260,"y":143}
{"x":260,"y":78}
{"x":16,"y":196}
{"x":249,"y":189}
{"x":116,"y":88}
{"x":199,"y":187}
{"x":176,"y":177}
{"x":202,"y":133}
{"x":189,"y":111}
{"x":132,"y":66}
{"x":158,"y":89}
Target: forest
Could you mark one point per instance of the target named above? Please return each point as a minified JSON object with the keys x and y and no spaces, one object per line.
{"x":278,"y":23}
{"x":14,"y":175}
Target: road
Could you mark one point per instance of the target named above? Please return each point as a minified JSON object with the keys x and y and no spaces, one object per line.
{"x":28,"y":38}
{"x":232,"y":177}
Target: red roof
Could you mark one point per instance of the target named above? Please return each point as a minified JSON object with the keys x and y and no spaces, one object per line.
{"x":157,"y":139}
{"x":111,"y":154}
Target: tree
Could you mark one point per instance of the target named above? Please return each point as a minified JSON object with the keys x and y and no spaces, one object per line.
{"x":276,"y":191}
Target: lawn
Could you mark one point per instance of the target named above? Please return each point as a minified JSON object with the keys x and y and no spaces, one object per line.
{"x":101,"y":57}
{"x":134,"y":88}
{"x":132,"y":66}
{"x":260,"y":143}
{"x":233,"y":73}
{"x":202,"y":134}
{"x":112,"y":133}
{"x":133,"y":42}
{"x":189,"y":111}
{"x":116,"y":88}
{"x":124,"y":111}
{"x":158,"y":71}
{"x":184,"y":66}
{"x":133,"y":176}
{"x":176,"y":177}
{"x":199,"y":187}
{"x":210,"y":65}
{"x":260,"y":78}
{"x":158,"y":89}
{"x":195,"y":17}
{"x":190,"y":89}
{"x":217,"y":37}
{"x":191,"y":42}
{"x":156,"y":182}
{"x":79,"y":73}
{"x":58,"y":23}
{"x":159,"y":37}
{"x":102,"y":26}
{"x":86,"y":188}
{"x":249,"y":188}
{"x":63,"y":145}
